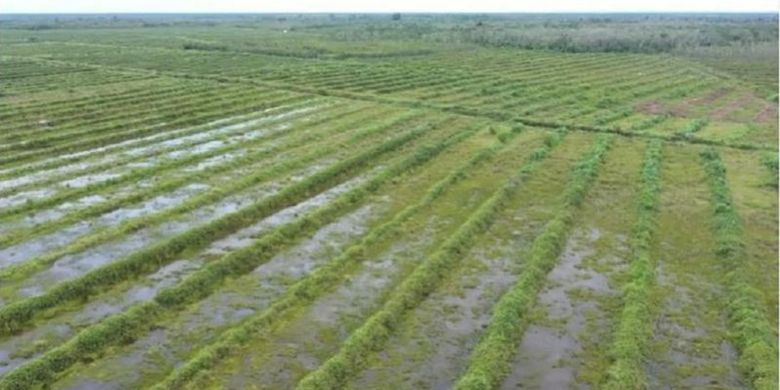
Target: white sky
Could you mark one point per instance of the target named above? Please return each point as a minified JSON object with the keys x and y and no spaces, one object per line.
{"x":184,"y":6}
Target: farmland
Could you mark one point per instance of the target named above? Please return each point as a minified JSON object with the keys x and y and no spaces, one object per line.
{"x":370,"y":202}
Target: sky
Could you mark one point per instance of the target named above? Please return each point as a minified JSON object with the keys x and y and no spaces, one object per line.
{"x":201,"y":6}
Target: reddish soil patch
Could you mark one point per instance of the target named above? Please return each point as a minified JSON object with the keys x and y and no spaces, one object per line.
{"x":657,"y":108}
{"x":768,"y":114}
{"x":681,"y":110}
{"x":723,"y":112}
{"x":651,"y":107}
{"x":684,"y":108}
{"x":709,"y":98}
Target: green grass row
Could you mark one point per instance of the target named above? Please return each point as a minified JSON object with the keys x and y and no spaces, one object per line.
{"x":127,"y":130}
{"x":371,"y":336}
{"x":95,"y":127}
{"x":65,"y":104}
{"x":20,"y":271}
{"x":139,"y":174}
{"x":166,"y":173}
{"x":491,"y":359}
{"x":277,"y":116}
{"x":21,"y":122}
{"x":56,"y":83}
{"x":562,"y":84}
{"x":81,"y":112}
{"x":238,"y":113}
{"x":469,"y":111}
{"x":163,"y":163}
{"x":127,"y":326}
{"x":320,"y":281}
{"x":17,"y":315}
{"x":634,"y":328}
{"x":752,"y":333}
{"x":92,"y":122}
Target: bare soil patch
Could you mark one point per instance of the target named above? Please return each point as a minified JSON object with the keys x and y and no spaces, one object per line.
{"x":734,"y":105}
{"x":768,"y":114}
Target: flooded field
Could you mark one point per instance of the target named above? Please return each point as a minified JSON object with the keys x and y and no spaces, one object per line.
{"x":369,"y":217}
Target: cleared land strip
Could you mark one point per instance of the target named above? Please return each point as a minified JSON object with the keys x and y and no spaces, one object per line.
{"x":124,"y":295}
{"x":241,"y":102}
{"x":138,"y":127}
{"x":257,"y":289}
{"x":148,"y":164}
{"x":77,"y":187}
{"x":114,"y":169}
{"x":93,"y":95}
{"x":164,"y":132}
{"x":61,"y":110}
{"x":319,"y":331}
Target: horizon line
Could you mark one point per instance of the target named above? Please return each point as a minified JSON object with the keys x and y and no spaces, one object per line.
{"x":3,"y":13}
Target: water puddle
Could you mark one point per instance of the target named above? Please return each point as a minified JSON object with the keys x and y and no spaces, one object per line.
{"x":307,"y":341}
{"x":87,"y":180}
{"x":547,"y":356}
{"x":24,"y":197}
{"x":431,"y":348}
{"x":695,"y":348}
{"x":165,"y":347}
{"x":155,"y":148}
{"x":75,"y":265}
{"x":40,"y":245}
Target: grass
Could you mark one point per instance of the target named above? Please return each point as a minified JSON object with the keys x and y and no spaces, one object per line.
{"x":15,"y":316}
{"x":490,"y":359}
{"x":634,"y":327}
{"x":419,"y":117}
{"x":321,"y":280}
{"x":17,"y":272}
{"x":753,"y":335}
{"x":424,"y":279}
{"x":138,"y":319}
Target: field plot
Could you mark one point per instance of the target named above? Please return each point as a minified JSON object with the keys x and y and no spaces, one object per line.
{"x":291,"y":204}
